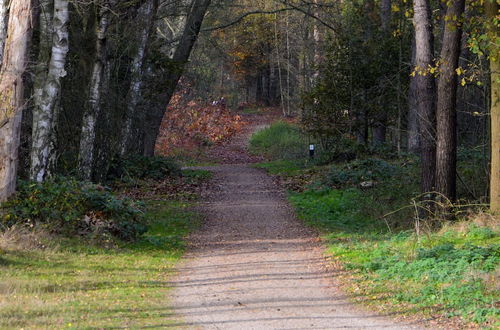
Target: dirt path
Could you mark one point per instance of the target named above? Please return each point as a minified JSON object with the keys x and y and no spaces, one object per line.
{"x":254,"y":266}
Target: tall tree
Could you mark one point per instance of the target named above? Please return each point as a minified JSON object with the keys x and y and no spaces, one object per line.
{"x":425,"y":91}
{"x":181,"y":56}
{"x":46,"y":104}
{"x":146,"y":17}
{"x":86,"y":156}
{"x":380,"y":128}
{"x":12,"y":99}
{"x":446,"y":152}
{"x":491,"y":9}
{"x":413,"y":134}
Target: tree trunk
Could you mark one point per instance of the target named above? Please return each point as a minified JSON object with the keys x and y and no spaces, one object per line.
{"x":45,"y":113}
{"x":4,"y":20}
{"x":446,"y":152}
{"x":412,"y":118}
{"x":181,"y":56}
{"x":93,"y":109}
{"x":134,"y":94}
{"x":380,"y":127}
{"x":425,"y":91}
{"x":491,"y":9}
{"x":12,"y":99}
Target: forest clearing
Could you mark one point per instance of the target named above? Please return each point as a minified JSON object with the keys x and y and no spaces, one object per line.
{"x":249,"y":164}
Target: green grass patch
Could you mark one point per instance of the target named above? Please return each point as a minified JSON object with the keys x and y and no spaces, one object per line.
{"x":453,"y":271}
{"x":279,"y":141}
{"x":80,"y":285}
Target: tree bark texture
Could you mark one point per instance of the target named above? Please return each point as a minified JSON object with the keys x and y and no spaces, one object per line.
{"x":491,"y":9}
{"x":134,"y":94}
{"x":425,"y":92}
{"x":12,"y":99}
{"x":446,"y":112}
{"x":45,"y":111}
{"x":86,"y":156}
{"x":413,"y":134}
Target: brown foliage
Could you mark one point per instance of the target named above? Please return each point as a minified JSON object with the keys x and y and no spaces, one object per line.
{"x":191,"y":125}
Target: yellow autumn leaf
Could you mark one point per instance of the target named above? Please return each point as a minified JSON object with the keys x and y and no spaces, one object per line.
{"x":463,"y":82}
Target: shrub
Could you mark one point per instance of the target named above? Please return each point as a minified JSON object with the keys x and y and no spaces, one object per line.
{"x":361,"y":170}
{"x":280,"y":141}
{"x":69,"y":207}
{"x":141,"y":167}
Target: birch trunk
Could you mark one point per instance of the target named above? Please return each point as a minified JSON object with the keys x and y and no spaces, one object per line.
{"x":446,"y":152}
{"x":491,"y":9}
{"x":86,"y":155}
{"x":134,"y":93}
{"x":47,"y":102}
{"x":425,"y":92}
{"x":12,"y":99}
{"x":4,"y":20}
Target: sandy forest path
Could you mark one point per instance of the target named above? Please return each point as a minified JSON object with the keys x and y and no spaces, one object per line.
{"x":254,"y":266}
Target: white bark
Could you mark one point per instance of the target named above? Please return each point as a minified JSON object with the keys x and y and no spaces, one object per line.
{"x":93,"y":109}
{"x":11,"y":92}
{"x":45,"y":111}
{"x":134,"y":93}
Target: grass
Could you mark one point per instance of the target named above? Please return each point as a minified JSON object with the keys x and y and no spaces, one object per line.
{"x":447,"y":270}
{"x":280,"y":141}
{"x":79,"y":285}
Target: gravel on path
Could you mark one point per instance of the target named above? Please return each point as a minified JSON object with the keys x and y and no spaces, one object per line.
{"x":253,"y":265}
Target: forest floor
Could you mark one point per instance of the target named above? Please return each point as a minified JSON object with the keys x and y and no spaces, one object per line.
{"x":253,"y":265}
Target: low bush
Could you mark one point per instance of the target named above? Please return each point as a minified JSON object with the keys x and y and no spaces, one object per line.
{"x":353,"y":173}
{"x":141,"y":167}
{"x":70,"y":207}
{"x":280,"y":141}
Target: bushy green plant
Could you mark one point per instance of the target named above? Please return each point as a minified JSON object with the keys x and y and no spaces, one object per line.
{"x":141,"y":167}
{"x":280,"y":141}
{"x":359,"y":171}
{"x":70,"y":207}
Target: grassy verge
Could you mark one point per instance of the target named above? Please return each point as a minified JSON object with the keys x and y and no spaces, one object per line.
{"x":81,"y":284}
{"x":449,"y":270}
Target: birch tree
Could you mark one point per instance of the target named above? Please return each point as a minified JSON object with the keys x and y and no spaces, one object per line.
{"x":12,"y":99}
{"x":147,"y":16}
{"x":48,"y":97}
{"x":93,"y":107}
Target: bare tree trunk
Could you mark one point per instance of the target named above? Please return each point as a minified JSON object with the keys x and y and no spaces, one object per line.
{"x":491,"y":9}
{"x":425,"y":91}
{"x":278,"y":59}
{"x":4,"y":20}
{"x":134,"y":93}
{"x":412,"y":120}
{"x":12,"y":99}
{"x":380,"y":127}
{"x":181,"y":56}
{"x":45,"y":113}
{"x":446,"y":152}
{"x":87,"y":155}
